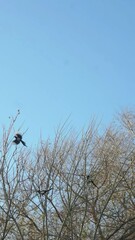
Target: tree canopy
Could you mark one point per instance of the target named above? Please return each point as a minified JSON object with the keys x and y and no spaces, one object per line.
{"x":78,"y":187}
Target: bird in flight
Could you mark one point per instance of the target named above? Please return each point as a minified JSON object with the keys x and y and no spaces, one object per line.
{"x":18,"y":139}
{"x":43,"y":192}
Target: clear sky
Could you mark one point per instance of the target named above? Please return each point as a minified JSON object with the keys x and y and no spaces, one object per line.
{"x":62,"y":57}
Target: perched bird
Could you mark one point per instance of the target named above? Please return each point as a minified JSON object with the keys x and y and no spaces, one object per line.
{"x":18,"y":139}
{"x":90,"y":180}
{"x":43,"y":192}
{"x":88,"y":177}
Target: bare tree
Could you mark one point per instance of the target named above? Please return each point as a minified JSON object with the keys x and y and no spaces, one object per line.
{"x":78,"y":187}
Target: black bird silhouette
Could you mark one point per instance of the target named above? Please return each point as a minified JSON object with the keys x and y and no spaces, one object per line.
{"x":43,"y":192}
{"x":18,"y":139}
{"x":90,"y":180}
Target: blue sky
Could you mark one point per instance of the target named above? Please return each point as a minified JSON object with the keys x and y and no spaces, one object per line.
{"x":61,"y":58}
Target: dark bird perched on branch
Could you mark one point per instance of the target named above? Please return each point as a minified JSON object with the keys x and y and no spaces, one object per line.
{"x":43,"y":192}
{"x":18,"y":139}
{"x":90,"y":180}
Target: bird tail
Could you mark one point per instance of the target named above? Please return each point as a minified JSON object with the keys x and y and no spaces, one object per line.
{"x":23,"y":143}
